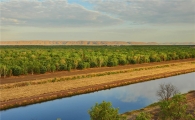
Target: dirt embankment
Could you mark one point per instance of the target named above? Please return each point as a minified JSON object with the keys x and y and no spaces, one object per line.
{"x":13,"y":96}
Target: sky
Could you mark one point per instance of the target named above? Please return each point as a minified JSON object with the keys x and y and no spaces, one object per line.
{"x":98,"y":20}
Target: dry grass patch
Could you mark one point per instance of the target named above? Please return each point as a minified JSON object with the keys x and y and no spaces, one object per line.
{"x":33,"y":90}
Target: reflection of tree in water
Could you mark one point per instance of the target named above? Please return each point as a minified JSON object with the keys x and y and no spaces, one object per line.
{"x":147,"y":90}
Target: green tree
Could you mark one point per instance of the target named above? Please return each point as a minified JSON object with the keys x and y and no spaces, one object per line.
{"x":112,"y":62}
{"x":62,"y":67}
{"x":31,"y":68}
{"x":48,"y":66}
{"x":1,"y":70}
{"x":100,"y":60}
{"x":43,"y":69}
{"x":37,"y":69}
{"x":81,"y":66}
{"x":174,"y":109}
{"x":104,"y":111}
{"x":9,"y":73}
{"x":4,"y":70}
{"x":69,"y":67}
{"x":17,"y":70}
{"x":53,"y":68}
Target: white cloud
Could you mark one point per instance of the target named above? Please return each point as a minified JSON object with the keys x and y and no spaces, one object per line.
{"x":125,"y":20}
{"x":51,"y":13}
{"x":149,"y":11}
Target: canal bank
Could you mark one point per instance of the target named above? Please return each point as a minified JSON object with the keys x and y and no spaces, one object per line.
{"x":126,"y":98}
{"x":153,"y":109}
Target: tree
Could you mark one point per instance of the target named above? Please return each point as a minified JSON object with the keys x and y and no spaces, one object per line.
{"x":9,"y":71}
{"x":48,"y":67}
{"x":37,"y":69}
{"x":4,"y":71}
{"x":62,"y":67}
{"x":166,"y":91}
{"x":43,"y":69}
{"x":16,"y":70}
{"x":81,"y":66}
{"x":31,"y":68}
{"x":104,"y":111}
{"x":1,"y":70}
{"x":122,"y":61}
{"x":112,"y":62}
{"x":53,"y":68}
{"x":100,"y":60}
{"x":174,"y":109}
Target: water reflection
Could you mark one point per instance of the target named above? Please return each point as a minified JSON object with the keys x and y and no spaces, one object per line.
{"x":127,"y":98}
{"x":148,"y":89}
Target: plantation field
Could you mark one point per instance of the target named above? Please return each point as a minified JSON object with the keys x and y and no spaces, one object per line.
{"x":23,"y":60}
{"x":29,"y":92}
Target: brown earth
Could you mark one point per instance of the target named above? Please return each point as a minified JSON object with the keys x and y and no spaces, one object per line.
{"x":86,"y":71}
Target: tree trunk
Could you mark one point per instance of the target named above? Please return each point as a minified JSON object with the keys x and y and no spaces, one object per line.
{"x":32,"y":72}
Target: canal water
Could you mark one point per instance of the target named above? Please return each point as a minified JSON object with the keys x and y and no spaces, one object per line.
{"x":126,"y":98}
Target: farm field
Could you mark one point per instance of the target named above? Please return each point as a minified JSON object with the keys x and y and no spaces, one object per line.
{"x":46,"y":89}
{"x":60,"y":59}
{"x":24,"y":60}
{"x":31,"y":74}
{"x":14,"y":79}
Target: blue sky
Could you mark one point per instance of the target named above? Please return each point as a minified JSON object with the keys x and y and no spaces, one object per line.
{"x":100,"y":20}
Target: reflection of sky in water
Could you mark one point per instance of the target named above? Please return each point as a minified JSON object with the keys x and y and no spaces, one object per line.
{"x":125,"y":98}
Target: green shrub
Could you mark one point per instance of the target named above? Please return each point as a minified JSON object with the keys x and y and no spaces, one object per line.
{"x":143,"y":116}
{"x":174,"y":109}
{"x":105,"y":111}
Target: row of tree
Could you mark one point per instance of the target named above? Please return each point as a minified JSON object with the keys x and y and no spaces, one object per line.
{"x":22,"y":60}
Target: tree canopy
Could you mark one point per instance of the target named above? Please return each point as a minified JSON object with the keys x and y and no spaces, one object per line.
{"x":104,"y":111}
{"x":22,"y":60}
